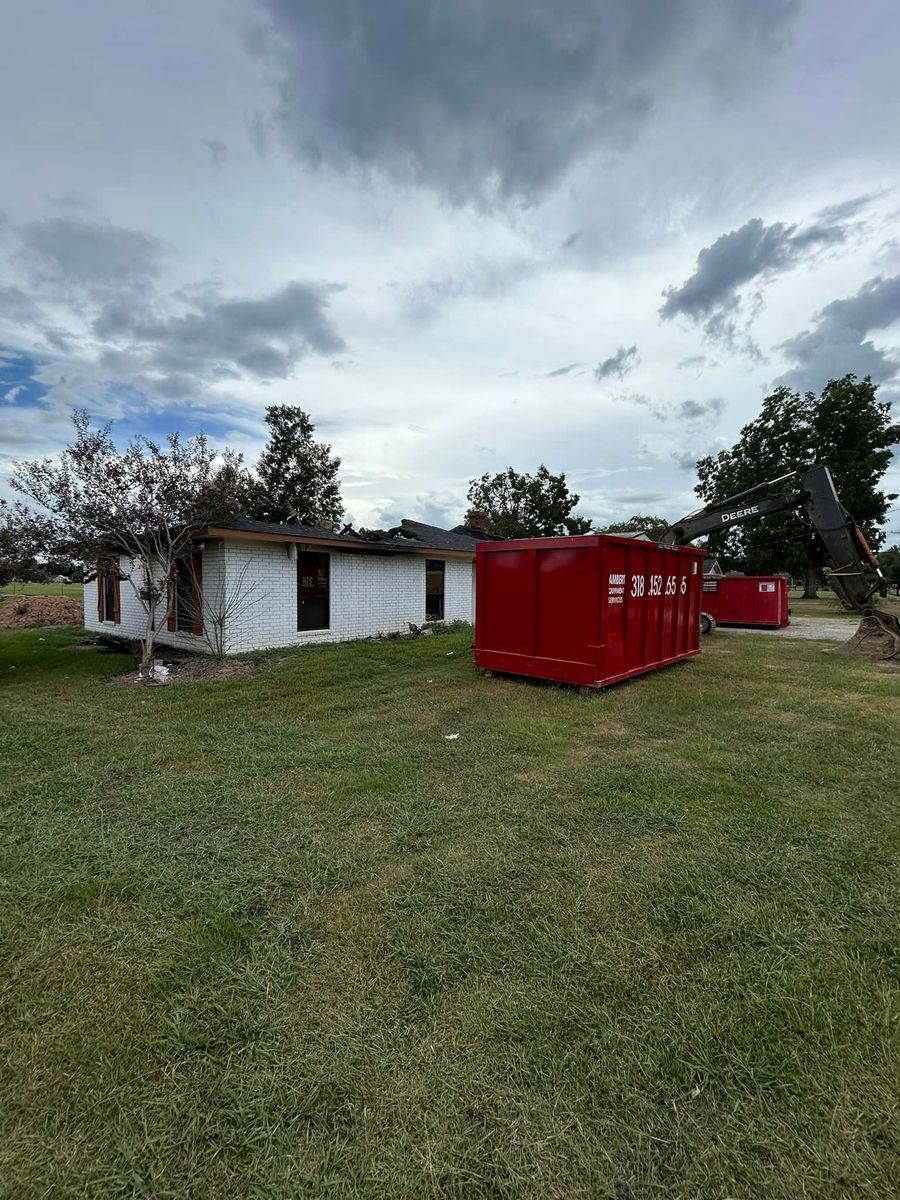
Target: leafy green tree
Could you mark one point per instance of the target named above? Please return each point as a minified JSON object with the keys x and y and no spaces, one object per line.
{"x":890,"y":565}
{"x":654,"y":527}
{"x":848,"y":429}
{"x":296,"y":476}
{"x":521,"y":505}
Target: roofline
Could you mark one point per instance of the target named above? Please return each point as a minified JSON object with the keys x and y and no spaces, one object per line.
{"x":568,"y":541}
{"x":356,"y":545}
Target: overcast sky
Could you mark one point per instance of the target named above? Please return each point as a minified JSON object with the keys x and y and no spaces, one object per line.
{"x":461,"y":234}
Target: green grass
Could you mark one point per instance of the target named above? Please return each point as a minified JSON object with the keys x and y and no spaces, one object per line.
{"x":827,"y":604}
{"x":42,"y":589}
{"x":276,"y":937}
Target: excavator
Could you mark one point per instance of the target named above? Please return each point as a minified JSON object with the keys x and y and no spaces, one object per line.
{"x":853,"y":570}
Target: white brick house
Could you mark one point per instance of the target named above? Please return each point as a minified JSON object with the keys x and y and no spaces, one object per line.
{"x":289,"y":585}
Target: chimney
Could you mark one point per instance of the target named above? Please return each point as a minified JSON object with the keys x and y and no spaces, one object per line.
{"x":476,"y":519}
{"x":324,"y":524}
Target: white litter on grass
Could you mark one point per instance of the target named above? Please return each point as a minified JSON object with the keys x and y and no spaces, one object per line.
{"x":450,"y":737}
{"x":450,"y":653}
{"x":159,"y":671}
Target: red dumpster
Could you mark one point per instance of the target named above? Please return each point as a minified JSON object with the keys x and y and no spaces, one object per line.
{"x":747,"y":599}
{"x":589,"y":610}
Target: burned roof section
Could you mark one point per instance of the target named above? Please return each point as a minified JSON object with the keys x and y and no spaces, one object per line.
{"x":408,"y":536}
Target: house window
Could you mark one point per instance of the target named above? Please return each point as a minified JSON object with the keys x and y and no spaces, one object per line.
{"x":313,"y":591}
{"x":108,"y":595}
{"x":186,"y":596}
{"x":434,"y":589}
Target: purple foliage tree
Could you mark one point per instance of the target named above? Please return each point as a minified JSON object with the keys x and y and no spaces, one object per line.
{"x":146,"y":502}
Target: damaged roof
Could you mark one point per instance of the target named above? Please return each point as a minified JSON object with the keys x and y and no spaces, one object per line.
{"x":438,"y":539}
{"x":408,"y":536}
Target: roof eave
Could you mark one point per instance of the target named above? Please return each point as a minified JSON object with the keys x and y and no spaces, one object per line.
{"x":347,"y":545}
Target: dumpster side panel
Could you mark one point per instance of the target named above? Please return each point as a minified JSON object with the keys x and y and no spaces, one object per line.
{"x":536,"y":608}
{"x":504,"y":602}
{"x":588,"y":610}
{"x":748,"y":600}
{"x":566,"y":592}
{"x":650,"y":607}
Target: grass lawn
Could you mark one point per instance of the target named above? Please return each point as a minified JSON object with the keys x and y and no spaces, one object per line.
{"x":828,"y":605}
{"x":276,"y":937}
{"x":42,"y":589}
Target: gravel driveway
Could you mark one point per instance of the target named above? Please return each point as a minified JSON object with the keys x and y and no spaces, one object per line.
{"x":818,"y":629}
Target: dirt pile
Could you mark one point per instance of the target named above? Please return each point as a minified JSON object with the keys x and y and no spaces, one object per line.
{"x":28,"y":612}
{"x":877,"y":638}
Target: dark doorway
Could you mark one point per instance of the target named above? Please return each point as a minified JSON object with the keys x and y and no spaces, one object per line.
{"x":313,"y":591}
{"x":434,"y":589}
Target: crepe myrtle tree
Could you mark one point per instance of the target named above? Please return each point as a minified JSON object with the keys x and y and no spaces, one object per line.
{"x":146,"y":502}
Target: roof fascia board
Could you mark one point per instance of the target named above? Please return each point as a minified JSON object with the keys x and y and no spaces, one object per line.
{"x":349,"y":546}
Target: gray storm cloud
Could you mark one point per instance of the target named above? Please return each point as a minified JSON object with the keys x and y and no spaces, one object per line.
{"x":262,"y":337}
{"x":838,"y":341}
{"x":496,"y":99}
{"x":173,"y":344}
{"x":89,"y":255}
{"x":618,"y":365}
{"x":218,"y":151}
{"x":751,"y":255}
{"x":561,"y":371}
{"x":699,"y":410}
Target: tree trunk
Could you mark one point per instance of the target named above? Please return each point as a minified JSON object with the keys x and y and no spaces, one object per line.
{"x":147,"y":645}
{"x":810,"y":582}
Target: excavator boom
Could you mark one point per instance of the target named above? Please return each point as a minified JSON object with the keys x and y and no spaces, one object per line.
{"x":853,"y":570}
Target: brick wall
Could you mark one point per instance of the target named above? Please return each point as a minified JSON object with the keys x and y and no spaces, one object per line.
{"x":370,"y":595}
{"x":132,"y":623}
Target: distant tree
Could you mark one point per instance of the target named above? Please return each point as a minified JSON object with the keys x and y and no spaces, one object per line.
{"x":890,"y":565}
{"x":654,"y":527}
{"x":24,"y":534}
{"x":64,"y":566}
{"x":517,"y":505}
{"x":146,"y":502}
{"x":296,"y":476}
{"x":848,"y":429}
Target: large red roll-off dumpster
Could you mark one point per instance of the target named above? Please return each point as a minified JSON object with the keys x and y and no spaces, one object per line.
{"x":589,"y":610}
{"x":747,"y":599}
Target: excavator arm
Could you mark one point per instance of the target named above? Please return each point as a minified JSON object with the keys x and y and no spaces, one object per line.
{"x":853,"y":570}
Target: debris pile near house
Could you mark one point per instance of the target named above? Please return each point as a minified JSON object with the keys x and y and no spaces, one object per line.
{"x":191,"y":669}
{"x":30,"y":612}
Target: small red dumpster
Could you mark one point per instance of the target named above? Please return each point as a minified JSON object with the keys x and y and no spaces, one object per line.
{"x":747,"y":599}
{"x":589,"y":610}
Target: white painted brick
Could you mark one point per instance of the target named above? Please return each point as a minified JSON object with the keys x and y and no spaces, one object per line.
{"x":370,"y":595}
